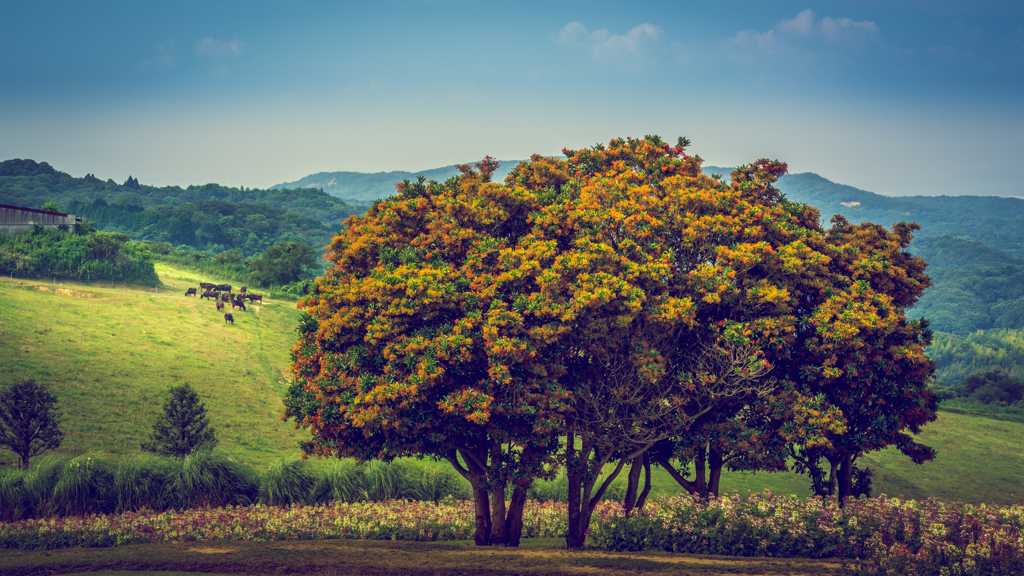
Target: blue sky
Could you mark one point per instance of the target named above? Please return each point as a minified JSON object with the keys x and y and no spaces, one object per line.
{"x":912,"y":97}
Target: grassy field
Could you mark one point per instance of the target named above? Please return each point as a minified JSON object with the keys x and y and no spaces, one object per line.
{"x":542,"y":556}
{"x":110,"y":352}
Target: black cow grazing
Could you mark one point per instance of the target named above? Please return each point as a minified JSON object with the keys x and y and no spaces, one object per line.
{"x":209,"y":294}
{"x":220,"y":305}
{"x":229,"y":318}
{"x":224,"y":287}
{"x":256,"y":298}
{"x":206,"y":285}
{"x":190,"y":292}
{"x":226,"y":297}
{"x":238,"y":304}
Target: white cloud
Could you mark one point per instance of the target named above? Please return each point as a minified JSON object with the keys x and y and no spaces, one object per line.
{"x":605,"y":47}
{"x":802,"y":25}
{"x":845,"y":31}
{"x":217,"y":48}
{"x":806,"y":33}
{"x":164,"y":57}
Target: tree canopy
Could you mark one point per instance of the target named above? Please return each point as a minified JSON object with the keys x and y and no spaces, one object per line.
{"x":29,"y":420}
{"x":619,"y":299}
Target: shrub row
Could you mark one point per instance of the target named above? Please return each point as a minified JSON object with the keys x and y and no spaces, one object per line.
{"x":90,"y":484}
{"x":96,"y":256}
{"x":881,"y":535}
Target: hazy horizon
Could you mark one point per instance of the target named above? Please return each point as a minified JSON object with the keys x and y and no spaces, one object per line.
{"x":902,"y":98}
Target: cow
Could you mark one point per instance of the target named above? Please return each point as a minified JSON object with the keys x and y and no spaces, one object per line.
{"x":226,"y":297}
{"x":190,"y":292}
{"x":238,"y":304}
{"x":229,"y":318}
{"x":224,"y":287}
{"x":243,"y":290}
{"x":220,"y":306}
{"x":206,"y":285}
{"x":209,"y":294}
{"x":256,"y":297}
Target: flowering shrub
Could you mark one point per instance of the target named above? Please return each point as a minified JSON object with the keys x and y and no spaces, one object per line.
{"x":883,"y":535}
{"x":886,"y":535}
{"x":388,"y":520}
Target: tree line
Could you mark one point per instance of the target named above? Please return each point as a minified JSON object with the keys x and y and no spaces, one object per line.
{"x":615,"y":308}
{"x":30,"y":184}
{"x":87,"y":255}
{"x":212,"y":226}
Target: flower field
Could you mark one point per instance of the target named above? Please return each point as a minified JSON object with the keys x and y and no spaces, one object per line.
{"x":878,"y":535}
{"x":387,"y":520}
{"x":882,"y":535}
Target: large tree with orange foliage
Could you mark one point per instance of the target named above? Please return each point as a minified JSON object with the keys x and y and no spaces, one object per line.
{"x":611,"y":299}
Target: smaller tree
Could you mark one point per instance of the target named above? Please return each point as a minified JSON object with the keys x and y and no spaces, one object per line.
{"x":183,"y":427}
{"x":993,"y":387}
{"x":283,"y":263}
{"x":29,"y":420}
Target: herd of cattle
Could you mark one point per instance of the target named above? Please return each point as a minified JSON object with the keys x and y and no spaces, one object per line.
{"x":221,"y":295}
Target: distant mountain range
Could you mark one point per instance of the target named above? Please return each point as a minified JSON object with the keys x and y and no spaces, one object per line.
{"x":365,"y":187}
{"x":995,"y":221}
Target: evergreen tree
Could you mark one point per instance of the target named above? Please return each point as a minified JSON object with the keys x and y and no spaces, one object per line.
{"x":29,"y":420}
{"x":183,"y":427}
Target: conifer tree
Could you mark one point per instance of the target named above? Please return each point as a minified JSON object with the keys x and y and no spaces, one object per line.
{"x":183,"y":427}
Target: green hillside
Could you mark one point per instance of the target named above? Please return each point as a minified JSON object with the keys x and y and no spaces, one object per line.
{"x":110,"y":352}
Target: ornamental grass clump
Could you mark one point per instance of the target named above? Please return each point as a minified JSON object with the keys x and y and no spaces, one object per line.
{"x":287,"y":483}
{"x":139,"y":482}
{"x":209,"y":478}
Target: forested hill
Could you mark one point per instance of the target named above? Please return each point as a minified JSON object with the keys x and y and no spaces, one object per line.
{"x":993,"y":220}
{"x":365,"y":187}
{"x":210,"y":218}
{"x":31,"y":184}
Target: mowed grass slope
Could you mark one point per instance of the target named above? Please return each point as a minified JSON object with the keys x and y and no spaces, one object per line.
{"x":111,"y":352}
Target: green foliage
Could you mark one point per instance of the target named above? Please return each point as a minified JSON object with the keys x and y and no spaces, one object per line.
{"x":212,"y":225}
{"x":51,"y":207}
{"x":204,"y":477}
{"x":97,"y":256}
{"x":90,"y":483}
{"x":957,"y":357}
{"x":993,"y":387}
{"x":284,"y":263}
{"x":29,"y":420}
{"x":184,"y":426}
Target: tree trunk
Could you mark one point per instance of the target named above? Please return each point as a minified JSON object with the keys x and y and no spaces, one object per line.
{"x":632,"y":484}
{"x":700,"y":466}
{"x":498,"y":516}
{"x":715,"y":463}
{"x":647,"y":483}
{"x":24,"y":461}
{"x":476,"y":475}
{"x":514,"y":518}
{"x":574,"y":475}
{"x":690,"y":487}
{"x":483,"y":515}
{"x":845,"y":479}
